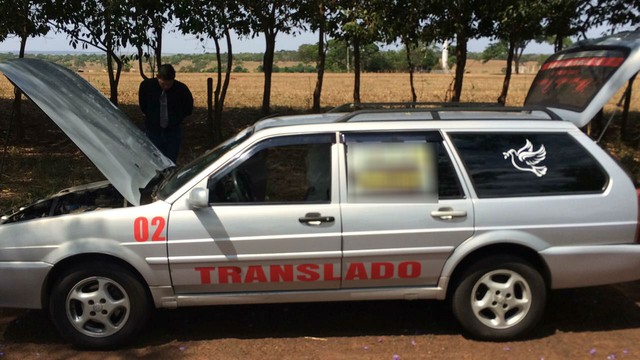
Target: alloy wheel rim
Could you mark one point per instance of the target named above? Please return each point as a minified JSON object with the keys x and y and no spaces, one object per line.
{"x":500,"y":299}
{"x":98,"y":306}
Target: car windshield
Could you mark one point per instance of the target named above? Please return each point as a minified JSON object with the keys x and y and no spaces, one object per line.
{"x":185,"y":173}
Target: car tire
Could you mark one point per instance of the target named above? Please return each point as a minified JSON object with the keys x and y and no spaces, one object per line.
{"x":98,"y":305}
{"x":499,"y":298}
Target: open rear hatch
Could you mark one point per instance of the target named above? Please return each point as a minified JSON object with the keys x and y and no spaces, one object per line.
{"x":577,"y":82}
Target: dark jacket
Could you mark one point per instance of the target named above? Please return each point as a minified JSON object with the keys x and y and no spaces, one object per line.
{"x":179,"y":103}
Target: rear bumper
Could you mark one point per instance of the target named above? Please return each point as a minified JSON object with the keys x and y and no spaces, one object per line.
{"x":579,"y":266}
{"x":21,"y":284}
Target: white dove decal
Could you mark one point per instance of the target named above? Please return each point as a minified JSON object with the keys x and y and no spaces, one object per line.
{"x":526,"y":156}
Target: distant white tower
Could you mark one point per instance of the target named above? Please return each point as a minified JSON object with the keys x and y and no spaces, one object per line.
{"x":445,"y":56}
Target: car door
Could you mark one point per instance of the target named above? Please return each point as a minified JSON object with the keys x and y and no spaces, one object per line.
{"x":272,"y":224}
{"x":405,"y":209}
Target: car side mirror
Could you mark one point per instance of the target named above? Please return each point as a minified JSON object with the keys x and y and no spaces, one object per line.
{"x":198,"y":198}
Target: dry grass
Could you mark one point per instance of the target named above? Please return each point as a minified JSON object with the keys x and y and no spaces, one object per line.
{"x":482,"y":83}
{"x":296,"y":90}
{"x":46,"y":161}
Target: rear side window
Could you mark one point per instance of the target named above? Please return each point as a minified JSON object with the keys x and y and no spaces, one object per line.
{"x":528,"y":164}
{"x":399,"y":167}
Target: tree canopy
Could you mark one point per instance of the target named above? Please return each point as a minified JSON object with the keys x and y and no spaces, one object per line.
{"x":350,"y":33}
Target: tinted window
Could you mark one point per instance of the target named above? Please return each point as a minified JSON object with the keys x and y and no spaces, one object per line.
{"x":292,"y":169}
{"x":448,"y":183}
{"x":570,"y":80}
{"x":407,"y":167}
{"x":503,"y":165}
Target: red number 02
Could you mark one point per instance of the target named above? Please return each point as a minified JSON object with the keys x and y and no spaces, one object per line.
{"x":141,"y":229}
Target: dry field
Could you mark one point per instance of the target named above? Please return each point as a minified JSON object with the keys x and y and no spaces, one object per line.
{"x":482,"y":83}
{"x":296,"y":90}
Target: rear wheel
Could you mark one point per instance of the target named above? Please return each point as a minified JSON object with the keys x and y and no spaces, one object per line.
{"x":499,"y":298}
{"x":98,"y":305}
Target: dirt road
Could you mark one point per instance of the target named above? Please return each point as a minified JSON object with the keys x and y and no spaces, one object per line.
{"x":593,"y":323}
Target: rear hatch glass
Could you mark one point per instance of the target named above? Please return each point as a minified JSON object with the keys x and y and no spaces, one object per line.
{"x":571,"y":80}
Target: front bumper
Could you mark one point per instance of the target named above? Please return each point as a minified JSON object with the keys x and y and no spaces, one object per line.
{"x":21,"y":284}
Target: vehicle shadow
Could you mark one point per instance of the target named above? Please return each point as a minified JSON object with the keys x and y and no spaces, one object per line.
{"x":601,"y":308}
{"x":339,"y":319}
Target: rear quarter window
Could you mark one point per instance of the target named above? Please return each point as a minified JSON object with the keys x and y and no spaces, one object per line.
{"x":528,"y":164}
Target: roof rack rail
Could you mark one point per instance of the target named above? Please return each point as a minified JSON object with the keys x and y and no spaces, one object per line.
{"x":350,"y":107}
{"x":435,"y":112}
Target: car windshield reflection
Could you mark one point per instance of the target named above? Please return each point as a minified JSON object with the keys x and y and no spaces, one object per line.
{"x":183,"y":174}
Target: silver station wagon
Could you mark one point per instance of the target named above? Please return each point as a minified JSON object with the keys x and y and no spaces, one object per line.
{"x":487,"y":207}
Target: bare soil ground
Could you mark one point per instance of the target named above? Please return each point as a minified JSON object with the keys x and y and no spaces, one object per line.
{"x":591,"y":323}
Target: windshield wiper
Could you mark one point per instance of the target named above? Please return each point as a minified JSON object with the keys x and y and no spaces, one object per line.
{"x":148,"y":193}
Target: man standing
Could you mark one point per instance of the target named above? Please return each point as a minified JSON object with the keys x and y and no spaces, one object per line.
{"x":165,"y":102}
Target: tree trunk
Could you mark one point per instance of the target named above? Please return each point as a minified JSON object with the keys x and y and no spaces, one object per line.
{"x":113,"y":89}
{"x":216,"y":96}
{"x":517,"y":56}
{"x":557,"y":46}
{"x":502,"y":99}
{"x":216,"y":93}
{"x":227,"y":78}
{"x":267,"y":67}
{"x":461,"y":63}
{"x":17,"y":101}
{"x":210,"y":131}
{"x":322,"y":55}
{"x":140,"y":61}
{"x":223,"y":92}
{"x":23,"y":45}
{"x":114,"y":78}
{"x":414,"y":97}
{"x":221,"y":87}
{"x":157,"y":28}
{"x":356,"y":70}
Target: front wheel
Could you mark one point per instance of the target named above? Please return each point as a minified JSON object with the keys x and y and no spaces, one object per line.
{"x":98,"y":305}
{"x":499,"y":298}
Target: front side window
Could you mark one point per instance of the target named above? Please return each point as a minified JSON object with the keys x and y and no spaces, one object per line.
{"x":182,"y":175}
{"x":399,"y":167}
{"x":292,"y":169}
{"x":528,"y":164}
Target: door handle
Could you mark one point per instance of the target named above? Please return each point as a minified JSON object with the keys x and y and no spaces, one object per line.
{"x":448,"y":213}
{"x":315,"y":219}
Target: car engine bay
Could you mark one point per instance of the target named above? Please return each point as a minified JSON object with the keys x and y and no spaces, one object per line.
{"x":91,"y":197}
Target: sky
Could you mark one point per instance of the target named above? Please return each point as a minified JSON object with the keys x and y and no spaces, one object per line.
{"x":176,"y":43}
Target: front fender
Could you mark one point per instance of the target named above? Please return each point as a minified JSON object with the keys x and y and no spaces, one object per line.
{"x":155,"y":275}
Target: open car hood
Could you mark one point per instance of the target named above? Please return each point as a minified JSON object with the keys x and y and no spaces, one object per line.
{"x":107,"y":136}
{"x":577,"y":82}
